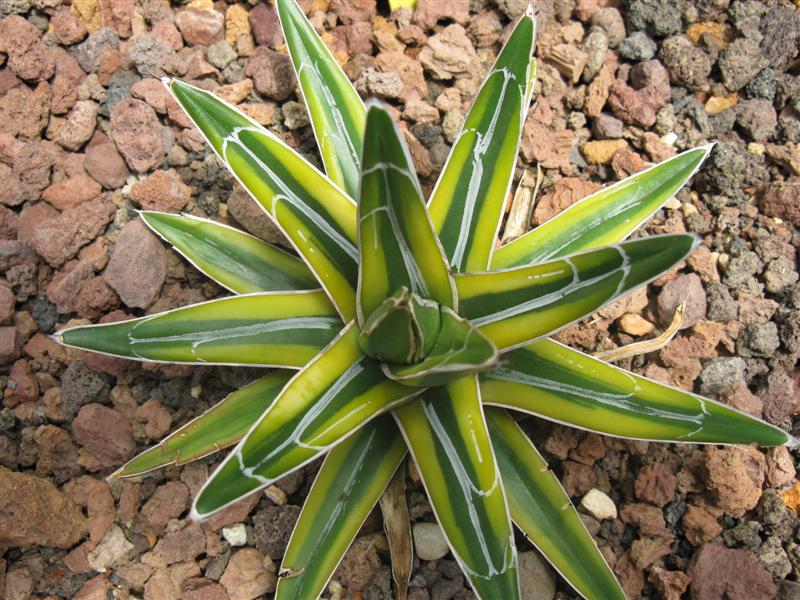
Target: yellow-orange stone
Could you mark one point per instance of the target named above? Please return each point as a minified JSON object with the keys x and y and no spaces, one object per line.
{"x":791,"y":497}
{"x":601,"y":152}
{"x":716,"y":104}
{"x":721,"y":32}
{"x":88,"y":11}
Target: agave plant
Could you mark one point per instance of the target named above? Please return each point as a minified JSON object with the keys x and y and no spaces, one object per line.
{"x":400,"y":325}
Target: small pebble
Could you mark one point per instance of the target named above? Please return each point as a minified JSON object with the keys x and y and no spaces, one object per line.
{"x":235,"y":535}
{"x":599,"y":505}
{"x":429,"y":541}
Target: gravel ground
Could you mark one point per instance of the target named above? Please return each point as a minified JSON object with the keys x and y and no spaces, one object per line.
{"x":88,"y":135}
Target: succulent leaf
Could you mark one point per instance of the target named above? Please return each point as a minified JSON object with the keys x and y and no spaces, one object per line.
{"x":348,"y":486}
{"x":223,"y":425}
{"x":234,"y":259}
{"x":447,"y":436}
{"x":467,"y":202}
{"x":606,"y":217}
{"x":335,"y":394}
{"x":280,"y":329}
{"x":555,"y":382}
{"x":516,"y":306}
{"x":397,"y":245}
{"x":542,"y":510}
{"x":335,"y":108}
{"x":314,"y":214}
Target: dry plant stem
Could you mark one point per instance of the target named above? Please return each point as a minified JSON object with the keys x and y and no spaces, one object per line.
{"x":646,"y":346}
{"x":519,"y":216}
{"x":397,"y":525}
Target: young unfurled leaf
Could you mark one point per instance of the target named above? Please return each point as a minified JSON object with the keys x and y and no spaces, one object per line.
{"x":336,"y":393}
{"x":555,"y":382}
{"x":459,"y":348}
{"x":542,"y":510}
{"x":271,"y":329}
{"x":397,"y":244}
{"x":516,"y":306}
{"x":348,"y":486}
{"x":447,"y":436}
{"x":234,"y":259}
{"x":467,"y":203}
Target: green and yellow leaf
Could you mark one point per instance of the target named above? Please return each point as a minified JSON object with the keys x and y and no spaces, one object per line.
{"x":314,"y":214}
{"x":447,"y":436}
{"x":336,"y":110}
{"x":348,"y":486}
{"x":234,"y":259}
{"x":268,"y":329}
{"x":516,"y":306}
{"x":467,"y":203}
{"x":561,"y":384}
{"x":397,"y":245}
{"x":335,"y":394}
{"x":220,"y":426}
{"x":542,"y":510}
{"x":605,"y":217}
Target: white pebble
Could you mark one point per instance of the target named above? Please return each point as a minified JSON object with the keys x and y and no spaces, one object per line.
{"x":599,"y":505}
{"x":235,"y":535}
{"x":429,"y":541}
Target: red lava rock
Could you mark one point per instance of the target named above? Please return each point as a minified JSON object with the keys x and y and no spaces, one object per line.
{"x":543,"y":143}
{"x":169,"y":501}
{"x":11,"y":192}
{"x":34,"y":511}
{"x":734,"y":475}
{"x":24,"y":112}
{"x":205,"y":589}
{"x":59,"y":239}
{"x":137,"y":133}
{"x":57,"y":456}
{"x":180,"y":545}
{"x":64,"y":287}
{"x":645,"y":551}
{"x":408,"y":70}
{"x":688,"y":288}
{"x":9,"y":224}
{"x":699,"y":525}
{"x":655,"y":484}
{"x":69,"y":76}
{"x":590,"y":450}
{"x":200,"y":26}
{"x":79,"y":126}
{"x":670,"y":584}
{"x":129,"y":499}
{"x":7,"y":303}
{"x":106,"y":165}
{"x":28,"y":57}
{"x":272,"y":73}
{"x":101,"y":510}
{"x":105,"y":433}
{"x":163,"y":190}
{"x":631,"y":577}
{"x":718,"y":572}
{"x":429,"y":12}
{"x":782,"y":201}
{"x":780,"y":467}
{"x":32,"y":164}
{"x":22,"y":384}
{"x":9,"y":345}
{"x":95,"y":298}
{"x":639,"y":104}
{"x":780,"y":396}
{"x":165,"y":31}
{"x":563,"y":193}
{"x":68,"y":28}
{"x":265,"y":25}
{"x":72,"y":192}
{"x":96,"y":588}
{"x":249,"y":575}
{"x":117,"y":15}
{"x":235,"y":513}
{"x":578,"y":478}
{"x":157,"y":418}
{"x":138,"y":266}
{"x":649,"y":519}
{"x":352,"y":11}
{"x":358,"y":565}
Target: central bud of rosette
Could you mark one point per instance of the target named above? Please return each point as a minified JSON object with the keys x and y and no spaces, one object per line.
{"x":421,"y":343}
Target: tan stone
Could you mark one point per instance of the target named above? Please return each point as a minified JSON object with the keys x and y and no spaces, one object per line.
{"x":600,"y":152}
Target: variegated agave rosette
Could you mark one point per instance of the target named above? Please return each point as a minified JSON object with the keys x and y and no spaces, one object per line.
{"x":401,"y":327}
